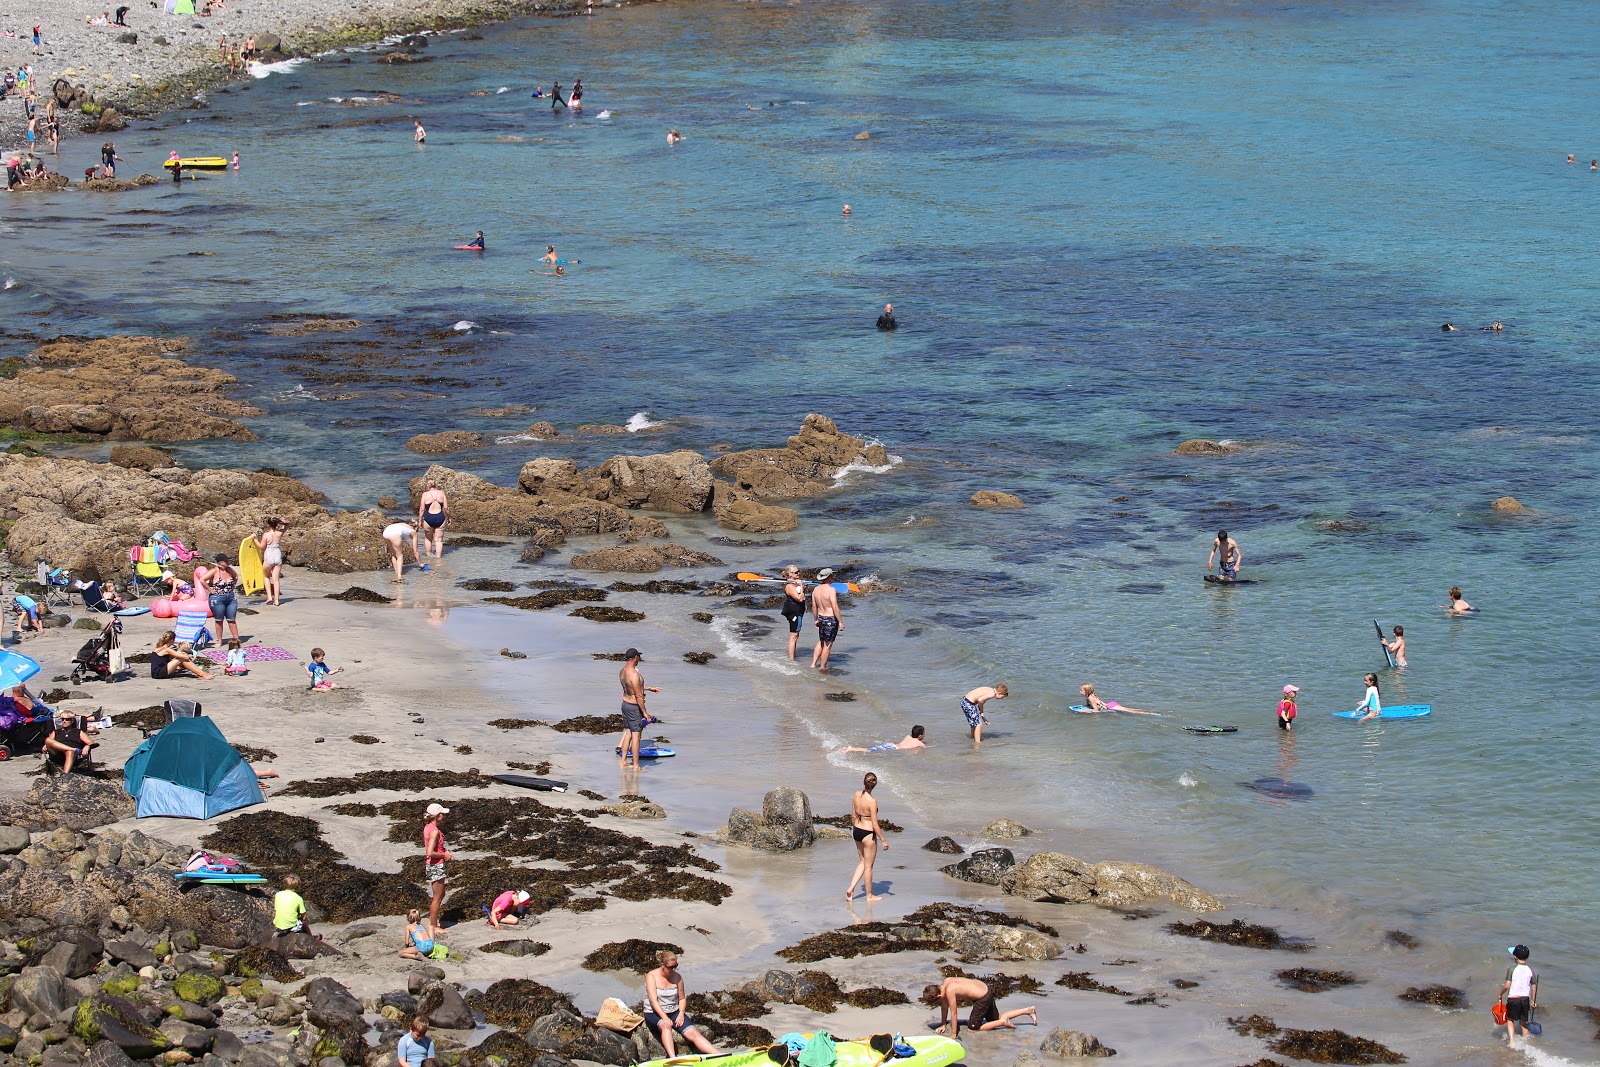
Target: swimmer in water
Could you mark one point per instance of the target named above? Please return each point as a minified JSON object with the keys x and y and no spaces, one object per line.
{"x":673,"y":136}
{"x":477,"y":241}
{"x":549,"y":254}
{"x":1397,"y":647}
{"x":538,"y":94}
{"x":1448,"y":327}
{"x":1095,"y":704}
{"x":911,"y":740}
{"x":420,"y":135}
{"x":1458,"y":604}
{"x":846,"y":210}
{"x":559,"y":272}
{"x":1571,"y":158}
{"x":236,"y":161}
{"x":1493,"y":327}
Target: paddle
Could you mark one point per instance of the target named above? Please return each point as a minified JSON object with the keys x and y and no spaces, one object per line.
{"x":1386,"y":653}
{"x":843,"y":587}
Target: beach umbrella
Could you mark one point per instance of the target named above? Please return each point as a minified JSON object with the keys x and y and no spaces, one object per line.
{"x":15,"y":668}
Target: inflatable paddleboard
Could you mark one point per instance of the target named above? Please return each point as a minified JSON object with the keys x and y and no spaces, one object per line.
{"x":1386,"y":653}
{"x":200,"y":163}
{"x":653,"y":752}
{"x":1398,"y":711}
{"x":1212,"y":729}
{"x":933,"y":1050}
{"x":128,"y":612}
{"x":251,"y":578}
{"x":215,"y":878}
{"x":469,"y":248}
{"x":545,"y":785}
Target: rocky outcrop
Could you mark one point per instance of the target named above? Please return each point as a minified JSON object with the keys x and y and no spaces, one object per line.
{"x":643,"y":559}
{"x":1508,"y":505}
{"x":806,"y":466}
{"x":994,"y":498}
{"x":736,"y":509}
{"x":985,"y":941}
{"x":546,"y":515}
{"x":1061,"y":879}
{"x":434,"y":444}
{"x":1004,"y":829}
{"x":128,"y":388}
{"x":785,"y":823}
{"x":1074,"y":1044}
{"x":75,"y":513}
{"x":1199,"y":446}
{"x":986,"y":866}
{"x":678,"y":482}
{"x":141,"y":457}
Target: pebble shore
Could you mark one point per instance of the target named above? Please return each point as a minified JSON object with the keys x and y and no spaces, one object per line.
{"x":159,"y":61}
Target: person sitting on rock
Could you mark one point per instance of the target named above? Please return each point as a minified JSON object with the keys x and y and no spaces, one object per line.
{"x":416,"y":1047}
{"x":508,"y":908}
{"x":418,"y":944}
{"x":664,"y":1006}
{"x":289,"y":909}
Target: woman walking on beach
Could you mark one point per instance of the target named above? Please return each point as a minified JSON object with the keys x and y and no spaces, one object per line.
{"x":270,"y":543}
{"x":864,"y":828}
{"x":664,"y":1000}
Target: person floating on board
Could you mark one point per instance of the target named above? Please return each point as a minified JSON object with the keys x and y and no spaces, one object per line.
{"x":1458,"y":604}
{"x":1231,"y":559}
{"x":886,"y":321}
{"x":549,"y":255}
{"x":1520,"y":993}
{"x":973,"y":703}
{"x":477,"y":241}
{"x":1397,"y":647}
{"x":1371,"y":702}
{"x":1094,"y":703}
{"x":1286,"y":708}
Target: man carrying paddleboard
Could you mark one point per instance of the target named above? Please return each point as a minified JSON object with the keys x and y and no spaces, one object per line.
{"x":633,"y":713}
{"x":825,"y":607}
{"x":1231,"y":558}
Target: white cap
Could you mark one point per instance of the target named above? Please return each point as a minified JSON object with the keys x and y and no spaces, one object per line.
{"x":523,"y":896}
{"x":438,"y":809}
{"x":1291,"y":689}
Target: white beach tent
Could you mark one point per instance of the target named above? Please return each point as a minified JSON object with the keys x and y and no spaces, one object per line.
{"x":180,"y":7}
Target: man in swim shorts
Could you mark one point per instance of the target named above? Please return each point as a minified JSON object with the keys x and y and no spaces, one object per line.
{"x":633,"y":710}
{"x":911,"y":740}
{"x":825,"y":608}
{"x":950,"y":994}
{"x":1230,"y":557}
{"x":972,"y":707}
{"x":433,"y":510}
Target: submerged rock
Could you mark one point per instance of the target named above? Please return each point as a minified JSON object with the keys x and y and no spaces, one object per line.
{"x":1002,"y":829}
{"x":1200,"y":446}
{"x":1508,"y":505}
{"x":993,"y":498}
{"x":447,"y":441}
{"x":986,"y":866}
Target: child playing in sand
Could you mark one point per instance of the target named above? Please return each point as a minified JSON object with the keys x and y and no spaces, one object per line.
{"x":319,"y":670}
{"x":236,"y":661}
{"x":508,"y":908}
{"x":419,"y":945}
{"x":1286,"y":708}
{"x":289,"y":908}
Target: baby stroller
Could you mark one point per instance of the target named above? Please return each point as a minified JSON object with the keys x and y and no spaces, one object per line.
{"x":101,"y":656}
{"x":18,"y":732}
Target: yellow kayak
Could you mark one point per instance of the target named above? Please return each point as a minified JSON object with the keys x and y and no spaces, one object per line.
{"x":200,"y":163}
{"x":933,"y":1050}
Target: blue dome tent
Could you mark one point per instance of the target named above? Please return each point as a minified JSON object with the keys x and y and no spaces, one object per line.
{"x":189,"y":771}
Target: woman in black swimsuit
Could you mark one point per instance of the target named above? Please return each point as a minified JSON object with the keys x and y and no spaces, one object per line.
{"x":865,"y":829}
{"x":794,"y":604}
{"x":169,"y":661}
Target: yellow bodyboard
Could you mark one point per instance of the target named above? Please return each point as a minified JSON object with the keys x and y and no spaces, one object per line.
{"x":252,"y":580}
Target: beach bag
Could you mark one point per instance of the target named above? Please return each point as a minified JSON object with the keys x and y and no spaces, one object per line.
{"x":1499,"y":1013}
{"x":205,"y":861}
{"x":615,"y":1015}
{"x":439,"y":952}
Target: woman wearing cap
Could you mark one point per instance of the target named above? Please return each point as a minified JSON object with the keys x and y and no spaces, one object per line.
{"x":434,"y":856}
{"x":1286,"y":708}
{"x":508,"y":908}
{"x":794,"y":604}
{"x":664,"y":1001}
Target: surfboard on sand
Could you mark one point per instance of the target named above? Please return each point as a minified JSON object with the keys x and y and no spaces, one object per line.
{"x":252,"y":579}
{"x":546,"y":785}
{"x":1386,"y":653}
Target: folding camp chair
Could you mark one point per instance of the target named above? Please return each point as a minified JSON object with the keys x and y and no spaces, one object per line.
{"x":145,"y":575}
{"x":56,"y":582}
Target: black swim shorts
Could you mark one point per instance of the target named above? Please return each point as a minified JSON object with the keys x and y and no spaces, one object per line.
{"x":827,"y":629}
{"x":983,"y":1011}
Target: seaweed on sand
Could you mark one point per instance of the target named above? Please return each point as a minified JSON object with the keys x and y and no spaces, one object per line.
{"x":550,"y":598}
{"x":488,"y":585}
{"x":518,"y":1003}
{"x":634,"y":954}
{"x":743,"y":1035}
{"x":365,"y":739}
{"x":1309,"y":980}
{"x":656,"y":585}
{"x":733,"y":1003}
{"x":540,"y":768}
{"x":1440,"y":996}
{"x":517,"y":947}
{"x":1238,"y":932}
{"x":607,"y":614}
{"x":848,"y":944}
{"x":1401,"y":938}
{"x":678,"y":885}
{"x":257,"y":961}
{"x":1002,"y":985}
{"x":255,"y":754}
{"x":581,"y":904}
{"x":359,"y":810}
{"x":407,"y":781}
{"x":1081,"y":980}
{"x":1333,"y":1046}
{"x":875,"y":997}
{"x":943,"y":911}
{"x":1252,"y":1025}
{"x":359,"y":595}
{"x":143,"y":719}
{"x":589,"y":724}
{"x":519,"y":724}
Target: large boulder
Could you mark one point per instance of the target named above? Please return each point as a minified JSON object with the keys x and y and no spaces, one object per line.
{"x":75,"y":801}
{"x":1051,"y":876}
{"x":983,"y":941}
{"x":994,"y":498}
{"x":141,"y":457}
{"x":736,"y":509}
{"x":1073,"y":1043}
{"x":442,"y":1004}
{"x":1199,"y":446}
{"x":544,"y":475}
{"x":676,"y":481}
{"x":39,"y":991}
{"x":104,"y":1017}
{"x":986,"y":866}
{"x":1508,"y":505}
{"x":547,"y":516}
{"x":332,"y":1009}
{"x":76,"y":952}
{"x":785,"y":823}
{"x":13,"y":839}
{"x":1118,"y":884}
{"x":430,"y":444}
{"x":806,"y":466}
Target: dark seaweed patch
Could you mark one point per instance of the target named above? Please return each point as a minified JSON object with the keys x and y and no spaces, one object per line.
{"x":1238,"y":932}
{"x":518,"y":1003}
{"x":143,"y":719}
{"x":1401,"y":938}
{"x":633,"y":954}
{"x":942,"y":911}
{"x":488,"y":585}
{"x":365,"y":739}
{"x":359,"y":595}
{"x":732,"y":1003}
{"x":1081,"y":980}
{"x":875,"y":997}
{"x":1308,"y":980}
{"x":701,"y":616}
{"x":255,"y":754}
{"x":541,"y":768}
{"x":1440,"y":996}
{"x":517,"y":947}
{"x":517,"y":724}
{"x":589,"y":724}
{"x":1333,"y":1046}
{"x":366,"y":811}
{"x":700,"y":658}
{"x":746,"y":1035}
{"x":607,"y":614}
{"x":1252,"y":1025}
{"x":839,"y":698}
{"x":844,"y":945}
{"x":679,"y":885}
{"x":550,"y":598}
{"x":405,"y":781}
{"x":659,"y":585}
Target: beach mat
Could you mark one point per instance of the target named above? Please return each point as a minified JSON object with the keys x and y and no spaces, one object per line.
{"x":252,"y":654}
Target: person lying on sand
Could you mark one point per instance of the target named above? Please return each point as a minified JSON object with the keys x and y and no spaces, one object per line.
{"x":911,"y":740}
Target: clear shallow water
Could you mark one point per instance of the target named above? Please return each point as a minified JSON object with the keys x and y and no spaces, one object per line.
{"x":1106,"y":230}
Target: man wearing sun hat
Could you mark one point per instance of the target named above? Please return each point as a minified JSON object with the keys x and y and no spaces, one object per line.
{"x":1286,"y":708}
{"x":829,"y":620}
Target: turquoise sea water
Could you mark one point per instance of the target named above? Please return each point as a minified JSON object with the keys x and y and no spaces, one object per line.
{"x":1106,"y":229}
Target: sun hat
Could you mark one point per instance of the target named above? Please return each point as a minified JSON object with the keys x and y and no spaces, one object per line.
{"x":826,"y":572}
{"x":1291,"y":689}
{"x":438,"y":809}
{"x":523,"y":896}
